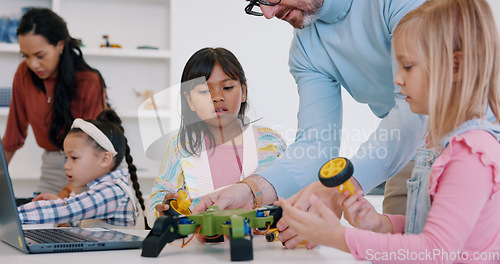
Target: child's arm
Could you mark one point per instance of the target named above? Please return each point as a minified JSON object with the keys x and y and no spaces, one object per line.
{"x":93,"y":204}
{"x":461,"y":219}
{"x":162,"y":191}
{"x":39,"y":212}
{"x":169,"y":180}
{"x":361,"y":214}
{"x":45,"y":197}
{"x":270,"y":146}
{"x":160,"y":207}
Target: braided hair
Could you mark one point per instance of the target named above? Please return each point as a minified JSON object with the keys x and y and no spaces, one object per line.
{"x":111,"y":125}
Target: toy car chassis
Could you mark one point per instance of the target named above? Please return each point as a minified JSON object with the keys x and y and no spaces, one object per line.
{"x":236,"y":224}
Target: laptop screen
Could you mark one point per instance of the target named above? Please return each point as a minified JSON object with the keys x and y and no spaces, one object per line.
{"x":10,"y":226}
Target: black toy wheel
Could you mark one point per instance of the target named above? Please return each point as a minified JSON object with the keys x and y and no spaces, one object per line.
{"x":335,"y":172}
{"x":179,"y":206}
{"x":271,"y":235}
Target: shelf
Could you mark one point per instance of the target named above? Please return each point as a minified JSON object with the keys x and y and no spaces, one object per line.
{"x":104,"y":52}
{"x":144,"y":114}
{"x":9,"y":47}
{"x":127,"y":53}
{"x":153,"y":114}
{"x":4,"y":111}
{"x":131,"y":23}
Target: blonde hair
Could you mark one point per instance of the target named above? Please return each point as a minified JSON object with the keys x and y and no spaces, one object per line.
{"x":442,"y":32}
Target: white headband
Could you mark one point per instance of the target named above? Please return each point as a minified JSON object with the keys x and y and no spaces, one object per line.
{"x":95,"y":133}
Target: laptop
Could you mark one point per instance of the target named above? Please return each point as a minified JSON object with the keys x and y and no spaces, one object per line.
{"x":53,"y":240}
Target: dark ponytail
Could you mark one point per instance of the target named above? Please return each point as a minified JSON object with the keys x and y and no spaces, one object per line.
{"x":111,"y":125}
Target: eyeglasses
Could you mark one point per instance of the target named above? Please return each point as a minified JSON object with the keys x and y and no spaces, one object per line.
{"x":249,"y":9}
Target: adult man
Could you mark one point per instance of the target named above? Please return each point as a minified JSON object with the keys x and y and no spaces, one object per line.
{"x":336,"y":43}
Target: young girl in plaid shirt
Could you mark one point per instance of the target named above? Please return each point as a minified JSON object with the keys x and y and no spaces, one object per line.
{"x":94,"y":149}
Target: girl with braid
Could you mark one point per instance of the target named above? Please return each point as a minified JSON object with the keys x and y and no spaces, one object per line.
{"x":94,"y":149}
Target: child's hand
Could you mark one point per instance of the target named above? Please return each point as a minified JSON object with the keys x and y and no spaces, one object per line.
{"x":46,"y":197}
{"x":361,"y":214}
{"x":66,"y":191}
{"x":320,"y":227}
{"x":302,"y":201}
{"x":163,"y":206}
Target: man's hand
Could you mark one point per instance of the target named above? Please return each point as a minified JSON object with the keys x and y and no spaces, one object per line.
{"x":238,"y":195}
{"x":234,"y":196}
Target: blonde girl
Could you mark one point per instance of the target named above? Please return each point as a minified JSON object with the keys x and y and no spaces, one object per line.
{"x":448,"y":68}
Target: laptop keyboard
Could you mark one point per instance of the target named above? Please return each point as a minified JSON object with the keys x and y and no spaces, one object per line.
{"x":54,"y":236}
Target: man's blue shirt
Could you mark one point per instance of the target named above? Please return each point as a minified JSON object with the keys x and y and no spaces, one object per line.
{"x":348,"y":46}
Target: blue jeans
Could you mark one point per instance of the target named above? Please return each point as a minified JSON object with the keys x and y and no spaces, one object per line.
{"x":418,"y":202}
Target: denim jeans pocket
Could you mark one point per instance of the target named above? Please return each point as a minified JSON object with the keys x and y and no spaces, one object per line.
{"x":411,"y":202}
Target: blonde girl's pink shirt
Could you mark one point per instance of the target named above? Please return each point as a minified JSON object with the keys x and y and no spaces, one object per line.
{"x":463,"y":225}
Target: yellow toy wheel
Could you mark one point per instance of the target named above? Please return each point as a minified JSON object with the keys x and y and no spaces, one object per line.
{"x":179,"y":206}
{"x":335,"y":172}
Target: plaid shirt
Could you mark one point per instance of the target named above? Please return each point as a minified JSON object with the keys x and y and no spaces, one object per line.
{"x":104,"y":200}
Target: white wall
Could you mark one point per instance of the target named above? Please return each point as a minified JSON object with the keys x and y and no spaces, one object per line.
{"x":495,"y":6}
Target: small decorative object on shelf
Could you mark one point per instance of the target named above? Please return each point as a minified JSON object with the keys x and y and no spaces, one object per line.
{"x":5,"y":96}
{"x":8,"y":27}
{"x":109,"y":45}
{"x":148,"y":97}
{"x":148,"y":47}
{"x":4,"y":29}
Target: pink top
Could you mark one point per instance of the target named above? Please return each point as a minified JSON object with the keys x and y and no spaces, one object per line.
{"x":225,"y":164}
{"x":463,"y":225}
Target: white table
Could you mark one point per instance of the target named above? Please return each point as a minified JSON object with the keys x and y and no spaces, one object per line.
{"x":195,"y":252}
